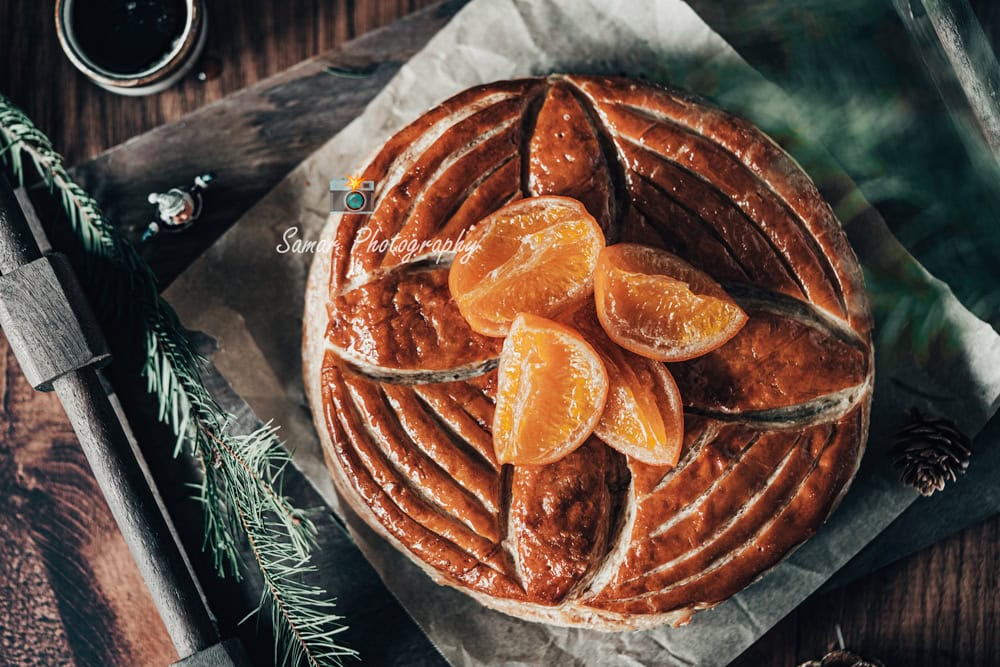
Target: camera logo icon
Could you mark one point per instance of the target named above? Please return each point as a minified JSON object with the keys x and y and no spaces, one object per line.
{"x":352,"y":195}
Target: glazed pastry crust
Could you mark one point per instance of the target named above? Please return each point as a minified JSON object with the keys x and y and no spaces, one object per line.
{"x":402,"y":391}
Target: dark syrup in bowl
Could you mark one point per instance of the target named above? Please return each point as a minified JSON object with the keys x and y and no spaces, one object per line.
{"x":127,"y":36}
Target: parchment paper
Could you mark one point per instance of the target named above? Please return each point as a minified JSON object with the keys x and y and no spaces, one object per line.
{"x":249,"y":297}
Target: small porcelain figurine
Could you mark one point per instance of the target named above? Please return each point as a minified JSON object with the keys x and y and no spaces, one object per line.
{"x":177,"y":209}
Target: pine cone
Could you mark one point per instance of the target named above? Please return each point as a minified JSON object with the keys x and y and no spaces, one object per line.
{"x":842,"y":658}
{"x":931,"y":451}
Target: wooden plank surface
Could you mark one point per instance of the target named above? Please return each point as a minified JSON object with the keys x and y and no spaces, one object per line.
{"x":64,"y":600}
{"x":69,"y":590}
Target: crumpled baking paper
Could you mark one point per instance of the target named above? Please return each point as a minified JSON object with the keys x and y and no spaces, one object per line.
{"x":249,"y":296}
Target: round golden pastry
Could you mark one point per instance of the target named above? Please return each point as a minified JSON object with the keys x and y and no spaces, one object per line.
{"x":402,"y":389}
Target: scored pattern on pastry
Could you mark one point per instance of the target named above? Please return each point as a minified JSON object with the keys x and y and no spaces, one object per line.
{"x":775,"y":420}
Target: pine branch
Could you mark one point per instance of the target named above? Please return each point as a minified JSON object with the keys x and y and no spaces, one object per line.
{"x":297,"y":608}
{"x":241,"y":480}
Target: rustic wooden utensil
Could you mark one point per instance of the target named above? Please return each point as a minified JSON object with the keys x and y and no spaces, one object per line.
{"x":60,"y":348}
{"x":961,"y":63}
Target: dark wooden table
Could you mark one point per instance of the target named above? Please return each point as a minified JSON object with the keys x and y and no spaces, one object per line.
{"x":69,"y":593}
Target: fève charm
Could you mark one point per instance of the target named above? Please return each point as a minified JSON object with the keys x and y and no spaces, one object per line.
{"x":178,"y":208}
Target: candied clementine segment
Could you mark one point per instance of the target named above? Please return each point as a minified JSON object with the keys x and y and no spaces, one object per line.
{"x":657,"y":305}
{"x":551,"y":388}
{"x":643,"y":414}
{"x":533,"y":256}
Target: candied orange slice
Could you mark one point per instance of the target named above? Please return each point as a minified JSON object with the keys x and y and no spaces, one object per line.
{"x":643,"y":414}
{"x":533,"y":256}
{"x":551,"y":387}
{"x":657,"y":305}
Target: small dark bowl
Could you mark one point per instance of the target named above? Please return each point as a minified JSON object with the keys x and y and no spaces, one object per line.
{"x":161,"y":75}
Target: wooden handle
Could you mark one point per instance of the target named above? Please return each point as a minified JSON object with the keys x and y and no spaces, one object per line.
{"x":17,"y":245}
{"x":47,"y":320}
{"x":136,"y":511}
{"x":57,"y":341}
